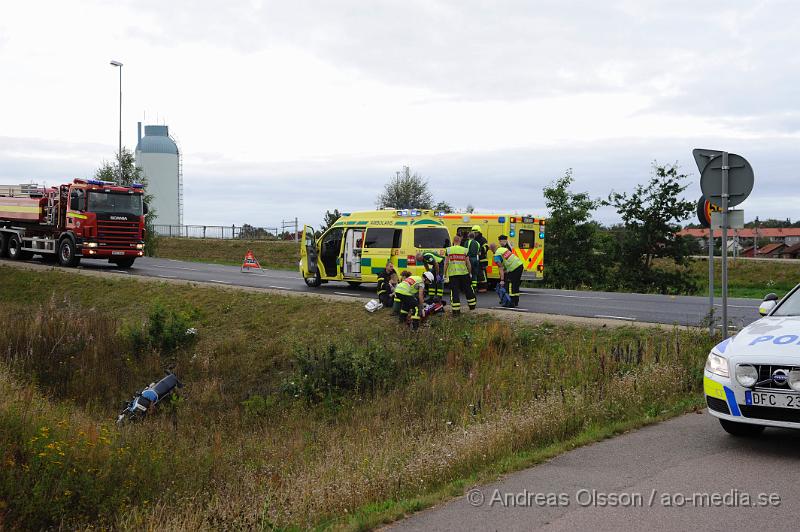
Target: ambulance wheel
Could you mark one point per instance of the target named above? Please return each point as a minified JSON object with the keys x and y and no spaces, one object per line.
{"x":313,"y":281}
{"x":125,"y":263}
{"x":66,"y":253}
{"x":741,"y":429}
{"x":14,"y":249}
{"x":354,"y":284}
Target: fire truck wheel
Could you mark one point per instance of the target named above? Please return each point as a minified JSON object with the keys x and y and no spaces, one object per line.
{"x":313,"y":281}
{"x":14,"y":249}
{"x":127,"y":262}
{"x":66,"y":253}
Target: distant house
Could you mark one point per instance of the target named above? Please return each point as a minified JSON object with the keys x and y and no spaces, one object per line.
{"x":746,"y":252}
{"x":791,"y":252}
{"x":771,"y":251}
{"x":785,"y":235}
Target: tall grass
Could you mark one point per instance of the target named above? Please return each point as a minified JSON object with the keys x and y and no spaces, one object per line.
{"x":289,"y":422}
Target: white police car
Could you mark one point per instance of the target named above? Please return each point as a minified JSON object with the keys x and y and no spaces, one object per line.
{"x":752,"y":380}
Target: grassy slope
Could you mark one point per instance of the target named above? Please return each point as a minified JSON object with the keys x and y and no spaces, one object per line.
{"x":748,"y":278}
{"x":254,"y":443}
{"x":270,"y":254}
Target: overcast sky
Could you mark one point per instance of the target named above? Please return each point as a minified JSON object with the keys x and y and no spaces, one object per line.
{"x":287,"y":109}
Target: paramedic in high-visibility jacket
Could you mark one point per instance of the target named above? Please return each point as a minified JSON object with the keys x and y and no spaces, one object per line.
{"x":410,"y":291}
{"x":510,"y":267}
{"x":459,"y":273}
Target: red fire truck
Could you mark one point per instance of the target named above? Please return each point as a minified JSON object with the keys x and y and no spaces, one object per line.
{"x":87,"y":218}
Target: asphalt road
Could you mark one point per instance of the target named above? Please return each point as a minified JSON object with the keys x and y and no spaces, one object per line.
{"x":628,"y":482}
{"x":681,"y":310}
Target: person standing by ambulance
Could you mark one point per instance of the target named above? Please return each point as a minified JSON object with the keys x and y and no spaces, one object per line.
{"x":483,"y":257}
{"x":459,"y":270}
{"x":510,"y":270}
{"x":410,"y":291}
{"x":473,"y":253}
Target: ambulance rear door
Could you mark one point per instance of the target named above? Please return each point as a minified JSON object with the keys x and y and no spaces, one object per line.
{"x":528,"y":234}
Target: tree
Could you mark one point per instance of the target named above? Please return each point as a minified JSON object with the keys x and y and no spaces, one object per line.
{"x":249,"y":232}
{"x":406,"y":191}
{"x":329,"y":219}
{"x":126,"y":173}
{"x":571,"y":236}
{"x":651,"y":216}
{"x":470,"y":209}
{"x":443,"y":206}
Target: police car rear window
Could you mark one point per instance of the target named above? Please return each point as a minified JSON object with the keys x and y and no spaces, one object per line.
{"x":431,"y":237}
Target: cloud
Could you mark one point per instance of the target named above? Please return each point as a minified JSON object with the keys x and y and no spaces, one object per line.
{"x":287,"y":109}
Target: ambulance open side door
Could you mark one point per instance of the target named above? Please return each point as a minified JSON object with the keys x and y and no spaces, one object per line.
{"x":308,"y":257}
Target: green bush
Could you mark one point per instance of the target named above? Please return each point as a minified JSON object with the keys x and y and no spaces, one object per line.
{"x":258,"y":406}
{"x":164,"y":330}
{"x":330,"y":372}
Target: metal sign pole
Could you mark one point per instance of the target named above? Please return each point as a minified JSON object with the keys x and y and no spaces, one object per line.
{"x":725,"y":197}
{"x":711,"y":319}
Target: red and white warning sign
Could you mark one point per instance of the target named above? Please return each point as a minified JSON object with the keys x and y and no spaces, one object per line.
{"x":250,"y":261}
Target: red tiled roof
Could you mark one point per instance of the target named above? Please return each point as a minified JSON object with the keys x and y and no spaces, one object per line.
{"x":770,"y":248}
{"x":780,"y":232}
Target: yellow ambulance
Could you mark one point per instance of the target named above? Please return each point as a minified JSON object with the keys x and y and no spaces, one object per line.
{"x":525,"y":235}
{"x":359,"y":244}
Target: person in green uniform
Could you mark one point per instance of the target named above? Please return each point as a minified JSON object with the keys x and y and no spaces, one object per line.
{"x":473,"y":253}
{"x":483,"y":257}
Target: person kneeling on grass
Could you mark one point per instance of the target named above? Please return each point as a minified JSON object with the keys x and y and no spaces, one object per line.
{"x":405,"y":274}
{"x":386,"y":281}
{"x":411,"y":293}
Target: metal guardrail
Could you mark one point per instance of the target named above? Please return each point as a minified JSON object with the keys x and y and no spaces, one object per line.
{"x":222,"y":232}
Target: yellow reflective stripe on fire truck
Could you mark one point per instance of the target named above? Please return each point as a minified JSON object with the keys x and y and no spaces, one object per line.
{"x":15,"y":208}
{"x":77,"y":215}
{"x":713,"y":389}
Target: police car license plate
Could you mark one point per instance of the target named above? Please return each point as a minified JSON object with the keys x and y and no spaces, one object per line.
{"x":776,"y":400}
{"x":117,"y":252}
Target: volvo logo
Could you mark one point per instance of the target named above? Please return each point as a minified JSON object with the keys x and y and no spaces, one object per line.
{"x":779,"y":377}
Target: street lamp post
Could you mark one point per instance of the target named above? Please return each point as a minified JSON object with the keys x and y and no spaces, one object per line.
{"x":119,"y":151}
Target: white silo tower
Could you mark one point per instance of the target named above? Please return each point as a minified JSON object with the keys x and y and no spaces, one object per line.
{"x":158,"y":156}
